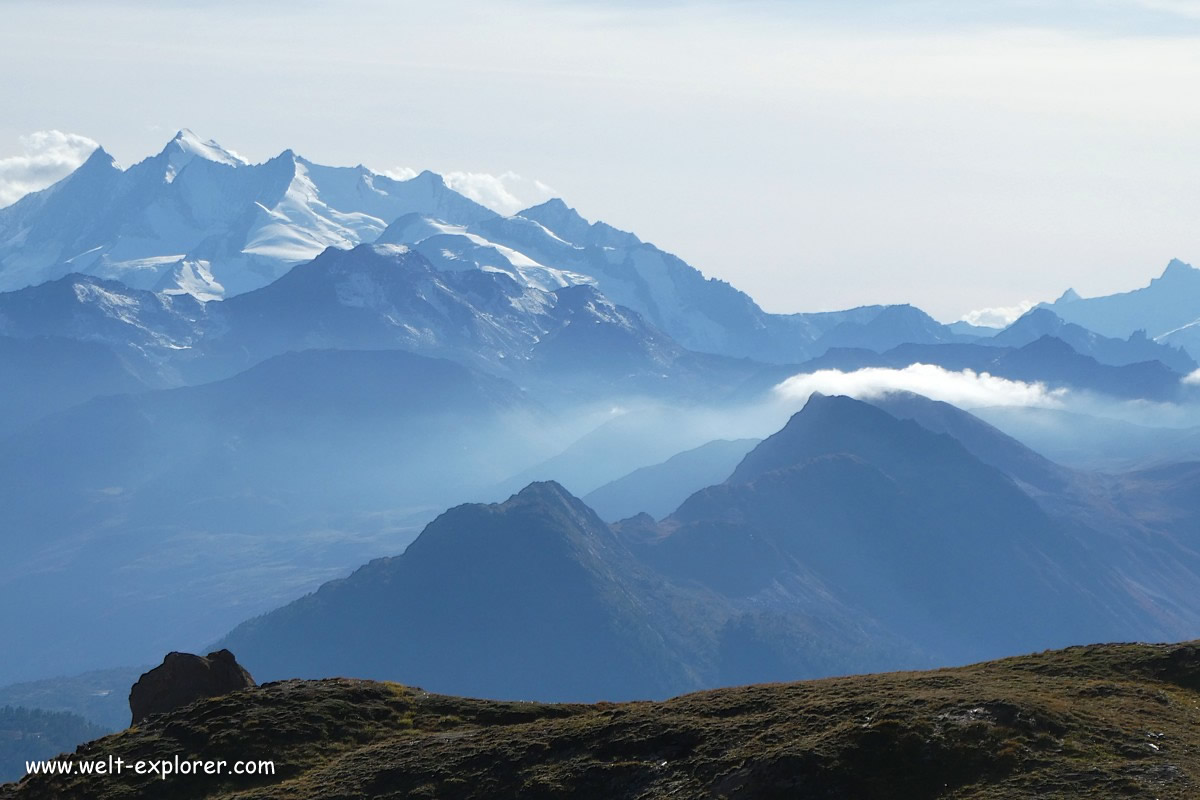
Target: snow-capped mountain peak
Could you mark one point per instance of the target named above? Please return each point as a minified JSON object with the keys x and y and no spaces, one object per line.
{"x":198,"y":218}
{"x":186,"y":146}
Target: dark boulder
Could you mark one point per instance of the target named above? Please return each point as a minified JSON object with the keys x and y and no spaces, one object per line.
{"x":184,"y":678}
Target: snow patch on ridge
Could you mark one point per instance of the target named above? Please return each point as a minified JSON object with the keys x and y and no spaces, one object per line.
{"x":187,"y":146}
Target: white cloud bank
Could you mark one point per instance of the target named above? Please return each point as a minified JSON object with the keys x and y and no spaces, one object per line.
{"x":968,"y":388}
{"x":1192,"y":379}
{"x":1000,"y":317}
{"x":49,"y":156}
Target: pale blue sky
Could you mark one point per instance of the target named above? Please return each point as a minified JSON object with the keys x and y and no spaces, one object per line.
{"x":817,"y":154}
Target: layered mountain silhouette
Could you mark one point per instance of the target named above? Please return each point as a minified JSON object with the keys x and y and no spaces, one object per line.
{"x":571,"y":340}
{"x":921,"y":534}
{"x":1166,"y":309}
{"x":658,"y":489}
{"x":214,"y":499}
{"x":226,"y":384}
{"x":45,"y":374}
{"x":1137,"y":348}
{"x":1087,"y":441}
{"x":851,"y":533}
{"x":1047,"y":360}
{"x":553,"y":601}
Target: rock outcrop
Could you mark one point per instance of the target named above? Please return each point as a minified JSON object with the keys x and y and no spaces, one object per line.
{"x":183,"y":678}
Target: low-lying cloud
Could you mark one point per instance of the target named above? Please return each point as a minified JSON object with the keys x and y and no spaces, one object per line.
{"x":967,"y":388}
{"x":49,"y":156}
{"x":999,"y":317}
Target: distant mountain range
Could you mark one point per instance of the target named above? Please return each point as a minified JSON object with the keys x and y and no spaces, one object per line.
{"x":1138,"y":347}
{"x":556,"y":604}
{"x":309,"y":256}
{"x":916,"y":534}
{"x":658,"y":489}
{"x":571,"y":340}
{"x":1168,"y":310}
{"x":197,"y":219}
{"x":225,"y":384}
{"x":1047,"y":360}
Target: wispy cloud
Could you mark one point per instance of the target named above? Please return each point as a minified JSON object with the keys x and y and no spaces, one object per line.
{"x":507,"y":193}
{"x":967,"y":388}
{"x":48,"y":156}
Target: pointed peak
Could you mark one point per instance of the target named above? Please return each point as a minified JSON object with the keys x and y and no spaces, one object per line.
{"x":555,"y":206}
{"x":542,"y":492}
{"x":549,"y":499}
{"x":100,"y":158}
{"x":1039,"y":316}
{"x":430,"y":177}
{"x":187,"y":144}
{"x":559,"y":218}
{"x":1048,"y":344}
{"x":1069,"y":296}
{"x":818,"y":402}
{"x":286,"y":162}
{"x":828,"y":424}
{"x":1178,"y":269}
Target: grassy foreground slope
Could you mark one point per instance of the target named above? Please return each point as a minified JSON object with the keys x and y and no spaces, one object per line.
{"x":1086,"y":722}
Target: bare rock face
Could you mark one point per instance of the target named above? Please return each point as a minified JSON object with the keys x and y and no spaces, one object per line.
{"x":183,"y":678}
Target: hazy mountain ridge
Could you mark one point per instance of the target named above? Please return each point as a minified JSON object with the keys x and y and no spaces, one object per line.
{"x":849,"y":531}
{"x":238,"y":493}
{"x":101,"y":697}
{"x":46,"y":374}
{"x":1168,"y":309}
{"x":377,"y":297}
{"x":660,"y":488}
{"x":1138,"y":347}
{"x":1048,"y":360}
{"x":549,"y":596}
